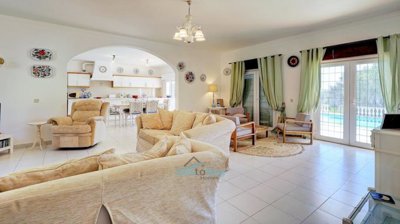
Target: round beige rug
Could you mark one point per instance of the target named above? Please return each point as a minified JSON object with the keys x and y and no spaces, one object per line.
{"x":270,"y":148}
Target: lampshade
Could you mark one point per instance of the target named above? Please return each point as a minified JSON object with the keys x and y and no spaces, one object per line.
{"x":213,"y":88}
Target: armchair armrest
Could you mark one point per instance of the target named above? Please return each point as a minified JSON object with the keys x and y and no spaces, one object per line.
{"x":97,"y":118}
{"x":251,"y":124}
{"x":60,"y":121}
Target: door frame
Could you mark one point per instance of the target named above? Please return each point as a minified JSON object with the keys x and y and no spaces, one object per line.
{"x":256,"y":95}
{"x":353,"y":102}
{"x":349,"y":125}
{"x":346,"y":113}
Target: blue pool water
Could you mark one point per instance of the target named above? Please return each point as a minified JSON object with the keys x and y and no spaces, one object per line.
{"x":362,"y":121}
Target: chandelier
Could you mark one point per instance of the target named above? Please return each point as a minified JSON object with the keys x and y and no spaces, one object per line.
{"x":189,"y":32}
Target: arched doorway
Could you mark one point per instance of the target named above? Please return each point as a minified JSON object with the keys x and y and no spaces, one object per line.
{"x":119,"y":75}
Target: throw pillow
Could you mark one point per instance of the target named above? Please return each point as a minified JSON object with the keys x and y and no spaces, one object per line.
{"x":152,"y":121}
{"x":182,"y":121}
{"x":166,"y":118}
{"x":53,"y":172}
{"x":160,"y":149}
{"x":181,"y":146}
{"x":199,"y":119}
{"x":210,"y":119}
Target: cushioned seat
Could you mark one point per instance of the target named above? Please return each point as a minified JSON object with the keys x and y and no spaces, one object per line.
{"x":293,"y":127}
{"x":71,"y":129}
{"x":244,"y":131}
{"x":153,"y":136}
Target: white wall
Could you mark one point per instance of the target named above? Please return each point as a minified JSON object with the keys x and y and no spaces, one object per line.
{"x":18,"y":88}
{"x":367,"y":29}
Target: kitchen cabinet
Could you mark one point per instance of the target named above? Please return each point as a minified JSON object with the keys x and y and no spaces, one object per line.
{"x":79,"y":79}
{"x":136,"y":82}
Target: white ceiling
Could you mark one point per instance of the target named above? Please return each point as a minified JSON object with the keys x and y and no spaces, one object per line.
{"x":227,"y":24}
{"x":123,"y":55}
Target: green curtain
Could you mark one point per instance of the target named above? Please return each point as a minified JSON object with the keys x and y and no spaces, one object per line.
{"x":237,"y":83}
{"x":389,"y":70}
{"x":310,"y":79}
{"x":271,"y":79}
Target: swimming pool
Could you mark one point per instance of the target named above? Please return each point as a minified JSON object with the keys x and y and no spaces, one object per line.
{"x":362,"y":121}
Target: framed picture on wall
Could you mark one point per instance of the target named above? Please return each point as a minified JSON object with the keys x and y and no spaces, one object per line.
{"x":220,"y":102}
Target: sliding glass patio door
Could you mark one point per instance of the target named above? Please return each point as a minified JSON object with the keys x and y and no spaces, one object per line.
{"x":254,"y":100}
{"x":351,"y":103}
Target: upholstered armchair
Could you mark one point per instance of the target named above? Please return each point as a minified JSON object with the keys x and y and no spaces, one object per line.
{"x":85,"y":126}
{"x":238,"y":112}
{"x":302,"y":126}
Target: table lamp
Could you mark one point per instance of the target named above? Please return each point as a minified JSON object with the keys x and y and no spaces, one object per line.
{"x":213,"y":88}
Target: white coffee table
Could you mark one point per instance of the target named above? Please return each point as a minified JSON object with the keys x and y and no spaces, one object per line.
{"x":38,"y":136}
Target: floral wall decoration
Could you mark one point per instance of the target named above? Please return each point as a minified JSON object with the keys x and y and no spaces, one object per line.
{"x":41,"y":54}
{"x":189,"y":77}
{"x":42,"y":71}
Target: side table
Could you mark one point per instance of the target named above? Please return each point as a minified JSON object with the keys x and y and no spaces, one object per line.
{"x":217,"y":110}
{"x":38,"y":137}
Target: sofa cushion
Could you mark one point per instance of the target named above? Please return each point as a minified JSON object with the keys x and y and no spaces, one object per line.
{"x":152,"y":121}
{"x":153,"y":136}
{"x":198,"y":121}
{"x":71,"y":129}
{"x":113,"y":160}
{"x":182,"y":121}
{"x":53,"y":172}
{"x":210,"y":119}
{"x":181,"y":146}
{"x":166,"y":118}
{"x":293,"y":127}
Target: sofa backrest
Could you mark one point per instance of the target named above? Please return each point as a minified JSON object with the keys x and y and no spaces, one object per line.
{"x":129,"y":192}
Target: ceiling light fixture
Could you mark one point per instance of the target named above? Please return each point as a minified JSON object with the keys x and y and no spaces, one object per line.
{"x":189,"y":32}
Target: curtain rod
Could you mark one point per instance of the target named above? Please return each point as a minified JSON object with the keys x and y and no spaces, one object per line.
{"x":255,"y":58}
{"x":337,"y":45}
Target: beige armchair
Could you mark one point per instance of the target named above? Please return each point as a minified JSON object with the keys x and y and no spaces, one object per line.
{"x":239,"y":112}
{"x":84,"y":128}
{"x":302,"y":126}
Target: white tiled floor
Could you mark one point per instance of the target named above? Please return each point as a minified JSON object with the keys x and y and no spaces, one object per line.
{"x":321,"y":185}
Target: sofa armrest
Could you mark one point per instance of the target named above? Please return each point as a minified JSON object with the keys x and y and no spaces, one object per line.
{"x":138,"y":121}
{"x":60,"y":121}
{"x":98,"y":127}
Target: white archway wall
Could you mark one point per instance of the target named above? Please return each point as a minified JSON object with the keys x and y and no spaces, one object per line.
{"x":18,"y":88}
{"x":127,"y":58}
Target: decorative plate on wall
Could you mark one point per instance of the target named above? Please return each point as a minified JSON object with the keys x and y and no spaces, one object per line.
{"x":203,"y":77}
{"x":103,"y":69}
{"x":227,"y":71}
{"x":293,"y":61}
{"x":120,"y":69}
{"x":42,"y":71}
{"x":189,"y":77}
{"x":41,"y":54}
{"x":180,"y":66}
{"x":136,"y":71}
{"x":151,"y":72}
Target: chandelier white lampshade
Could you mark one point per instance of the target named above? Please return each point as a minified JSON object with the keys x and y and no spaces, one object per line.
{"x":189,"y":32}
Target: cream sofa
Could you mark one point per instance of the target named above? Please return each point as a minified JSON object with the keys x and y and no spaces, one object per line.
{"x":218,"y":133}
{"x":144,"y":192}
{"x":84,"y":128}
